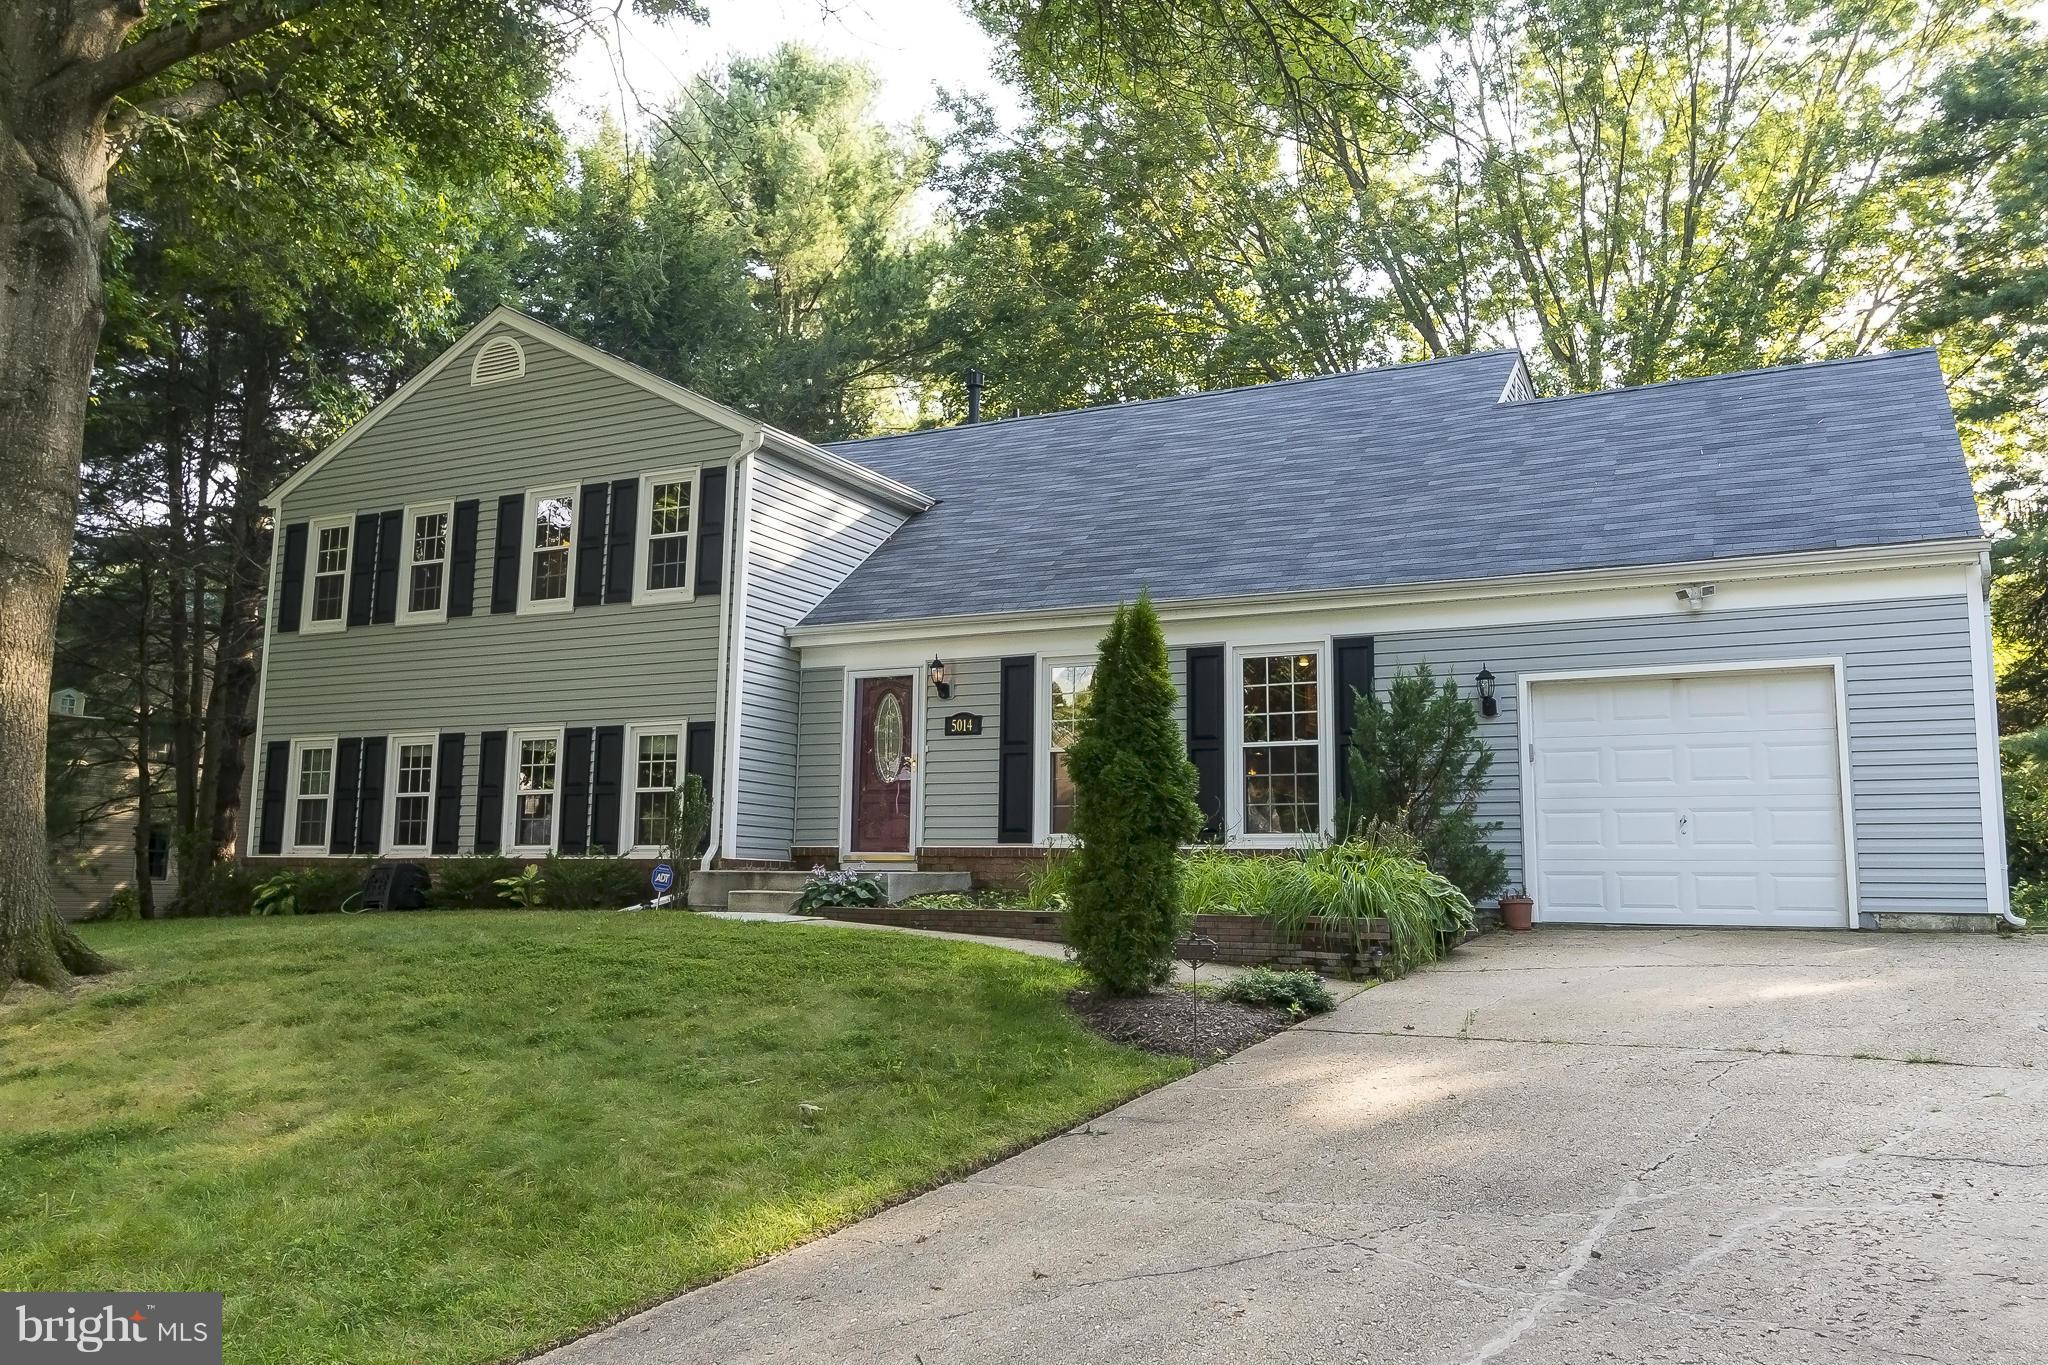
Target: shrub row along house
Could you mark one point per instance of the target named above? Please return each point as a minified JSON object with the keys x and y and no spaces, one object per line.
{"x":1728,"y":635}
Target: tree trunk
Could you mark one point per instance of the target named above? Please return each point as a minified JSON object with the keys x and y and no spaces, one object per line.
{"x":145,"y":804}
{"x":54,"y":159}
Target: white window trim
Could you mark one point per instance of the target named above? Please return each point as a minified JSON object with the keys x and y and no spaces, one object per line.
{"x":292,"y":846}
{"x":406,"y":616}
{"x":391,"y":793}
{"x":629,"y":778}
{"x":1233,"y":679}
{"x":534,"y":497}
{"x":511,"y":791}
{"x":307,"y":624}
{"x":1041,"y":778}
{"x":643,"y":536}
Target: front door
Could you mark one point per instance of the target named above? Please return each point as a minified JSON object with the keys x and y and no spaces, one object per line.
{"x":884,"y":764}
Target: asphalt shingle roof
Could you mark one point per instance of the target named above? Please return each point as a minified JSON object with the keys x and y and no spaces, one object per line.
{"x":1410,"y":474}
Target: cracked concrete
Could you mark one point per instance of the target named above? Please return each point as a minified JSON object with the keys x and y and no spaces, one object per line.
{"x":1575,"y":1146}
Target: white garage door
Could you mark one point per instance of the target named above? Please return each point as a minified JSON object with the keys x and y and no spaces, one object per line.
{"x":1710,"y":799}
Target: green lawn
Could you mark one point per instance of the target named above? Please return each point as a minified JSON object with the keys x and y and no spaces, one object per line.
{"x":456,"y":1137}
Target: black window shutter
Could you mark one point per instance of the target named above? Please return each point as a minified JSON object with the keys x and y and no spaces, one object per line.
{"x":1354,"y":673}
{"x":448,"y":789}
{"x":505,"y":555}
{"x":348,"y":771}
{"x":1015,"y":761}
{"x":490,"y":790}
{"x":711,"y":531}
{"x":370,"y":805}
{"x":700,"y":756}
{"x":591,"y":501}
{"x":277,"y":763}
{"x":604,"y":787}
{"x":575,"y":826}
{"x":362,"y":568}
{"x":618,"y":573}
{"x":1205,"y":734}
{"x":390,"y":537}
{"x":291,"y":587}
{"x":462,"y":560}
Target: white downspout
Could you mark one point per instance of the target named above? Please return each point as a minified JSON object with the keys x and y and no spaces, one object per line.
{"x":1990,"y":778}
{"x":731,"y":657}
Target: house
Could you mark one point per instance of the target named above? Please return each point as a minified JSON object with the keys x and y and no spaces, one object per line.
{"x":1733,"y":629}
{"x":94,"y":859}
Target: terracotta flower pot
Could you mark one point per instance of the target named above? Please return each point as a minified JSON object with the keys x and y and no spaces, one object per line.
{"x":1517,"y":912}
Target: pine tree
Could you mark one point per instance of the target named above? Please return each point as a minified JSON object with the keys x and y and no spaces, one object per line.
{"x":1134,"y":805}
{"x":1418,"y":765}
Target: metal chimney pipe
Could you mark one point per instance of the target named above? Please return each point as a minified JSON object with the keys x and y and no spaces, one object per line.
{"x":973,"y":396}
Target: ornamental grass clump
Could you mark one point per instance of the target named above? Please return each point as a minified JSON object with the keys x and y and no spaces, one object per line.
{"x":1134,"y":805}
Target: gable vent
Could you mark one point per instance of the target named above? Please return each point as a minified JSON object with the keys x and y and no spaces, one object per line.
{"x":498,"y":359}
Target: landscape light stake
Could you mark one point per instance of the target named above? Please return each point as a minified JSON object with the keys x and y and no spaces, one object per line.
{"x":1196,"y":949}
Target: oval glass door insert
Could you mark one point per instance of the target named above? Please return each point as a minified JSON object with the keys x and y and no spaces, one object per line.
{"x":889,"y":739}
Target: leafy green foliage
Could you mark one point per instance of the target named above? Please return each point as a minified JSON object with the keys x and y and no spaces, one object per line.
{"x":227,"y":889}
{"x":471,"y":881}
{"x":308,"y":891}
{"x":1049,"y":884}
{"x":122,"y":905}
{"x":689,"y":819}
{"x":1418,"y":767}
{"x":1298,"y":993}
{"x":527,"y":888}
{"x":2024,"y":760}
{"x":826,"y":890}
{"x":1383,"y":878}
{"x":1134,"y":805}
{"x":592,"y":881}
{"x":279,"y":895}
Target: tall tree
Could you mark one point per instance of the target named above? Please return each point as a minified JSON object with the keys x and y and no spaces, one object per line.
{"x":762,"y":248}
{"x":79,"y":80}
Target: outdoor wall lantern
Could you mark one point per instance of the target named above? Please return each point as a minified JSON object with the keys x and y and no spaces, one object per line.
{"x":1487,"y":705}
{"x":942,"y":679}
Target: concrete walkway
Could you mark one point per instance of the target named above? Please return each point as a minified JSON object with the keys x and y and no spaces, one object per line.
{"x":1576,"y":1146}
{"x":1213,"y":973}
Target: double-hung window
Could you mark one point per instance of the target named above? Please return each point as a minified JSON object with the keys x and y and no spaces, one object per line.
{"x":536,"y":780}
{"x":330,"y":552}
{"x":668,"y":520}
{"x":312,"y":789}
{"x":412,"y":793}
{"x":426,"y":564}
{"x":1069,"y":684}
{"x":1281,"y":746}
{"x":550,"y":542}
{"x":657,"y":771}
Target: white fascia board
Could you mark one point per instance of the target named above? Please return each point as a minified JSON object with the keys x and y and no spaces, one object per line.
{"x":899,"y":495}
{"x":1758,"y":582}
{"x":517,"y":321}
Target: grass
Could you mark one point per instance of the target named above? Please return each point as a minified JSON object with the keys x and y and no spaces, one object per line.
{"x":460,"y":1136}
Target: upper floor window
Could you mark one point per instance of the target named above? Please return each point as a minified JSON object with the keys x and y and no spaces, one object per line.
{"x":330,"y":574}
{"x":426,"y":564}
{"x":669,"y":519}
{"x":1280,"y":749}
{"x":551,"y":536}
{"x":412,"y":792}
{"x":1070,"y":684}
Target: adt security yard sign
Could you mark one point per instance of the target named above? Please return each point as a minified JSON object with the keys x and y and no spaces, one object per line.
{"x":664,"y":878}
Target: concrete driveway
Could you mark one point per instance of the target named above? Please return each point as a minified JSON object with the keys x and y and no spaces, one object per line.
{"x":1575,"y":1146}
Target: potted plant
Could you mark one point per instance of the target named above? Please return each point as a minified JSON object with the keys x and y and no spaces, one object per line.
{"x":1517,"y":911}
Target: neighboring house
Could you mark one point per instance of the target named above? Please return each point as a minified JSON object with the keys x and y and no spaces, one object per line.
{"x":1735,"y":628}
{"x":91,"y":864}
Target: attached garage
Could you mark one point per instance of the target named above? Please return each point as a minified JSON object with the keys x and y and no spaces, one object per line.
{"x":1710,"y":798}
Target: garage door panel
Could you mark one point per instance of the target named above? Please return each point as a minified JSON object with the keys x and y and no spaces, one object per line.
{"x":1709,"y":799}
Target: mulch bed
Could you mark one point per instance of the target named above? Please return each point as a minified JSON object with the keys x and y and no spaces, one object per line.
{"x":1164,"y":1022}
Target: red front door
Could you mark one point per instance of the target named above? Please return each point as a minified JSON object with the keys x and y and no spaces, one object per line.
{"x":884,"y":762}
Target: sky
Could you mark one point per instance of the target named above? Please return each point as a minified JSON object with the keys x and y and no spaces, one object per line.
{"x":913,"y":46}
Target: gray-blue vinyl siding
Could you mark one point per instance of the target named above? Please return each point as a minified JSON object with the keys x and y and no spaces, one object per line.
{"x":804,"y":536}
{"x":564,"y":421}
{"x":1913,"y":779}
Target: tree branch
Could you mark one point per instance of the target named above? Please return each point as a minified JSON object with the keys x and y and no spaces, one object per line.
{"x":213,"y":28}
